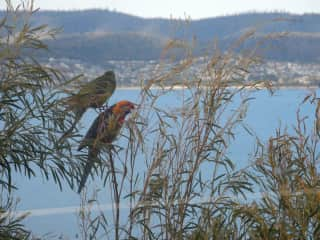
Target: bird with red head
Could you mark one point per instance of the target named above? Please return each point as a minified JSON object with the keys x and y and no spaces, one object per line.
{"x":103,"y":131}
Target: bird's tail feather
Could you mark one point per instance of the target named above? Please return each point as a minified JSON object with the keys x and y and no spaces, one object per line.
{"x":92,"y":157}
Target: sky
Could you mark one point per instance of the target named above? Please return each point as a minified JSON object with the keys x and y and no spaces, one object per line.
{"x":180,"y":8}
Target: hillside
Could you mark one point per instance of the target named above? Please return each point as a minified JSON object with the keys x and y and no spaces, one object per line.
{"x":205,"y":29}
{"x":97,"y":48}
{"x":99,"y":35}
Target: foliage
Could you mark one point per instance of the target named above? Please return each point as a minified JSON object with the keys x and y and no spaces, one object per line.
{"x":169,"y":174}
{"x":32,"y":117}
{"x":173,"y":197}
{"x":11,"y":227}
{"x":287,"y":173}
{"x":190,"y":188}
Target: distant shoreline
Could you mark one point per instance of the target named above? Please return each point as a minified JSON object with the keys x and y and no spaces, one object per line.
{"x":312,"y":87}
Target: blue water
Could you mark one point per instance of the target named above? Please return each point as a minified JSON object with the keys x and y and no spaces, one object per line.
{"x":265,"y":114}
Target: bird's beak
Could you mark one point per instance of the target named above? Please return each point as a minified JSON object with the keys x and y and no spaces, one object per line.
{"x":132,"y":107}
{"x":129,"y":108}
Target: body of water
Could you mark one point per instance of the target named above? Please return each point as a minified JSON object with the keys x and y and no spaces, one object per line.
{"x":55,"y":211}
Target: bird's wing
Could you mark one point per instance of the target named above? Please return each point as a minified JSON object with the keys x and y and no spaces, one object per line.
{"x":98,"y":126}
{"x":100,"y":85}
{"x":91,"y":134}
{"x":105,"y":84}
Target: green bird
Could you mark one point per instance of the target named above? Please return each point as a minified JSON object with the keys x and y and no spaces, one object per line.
{"x":103,"y":131}
{"x":91,"y":95}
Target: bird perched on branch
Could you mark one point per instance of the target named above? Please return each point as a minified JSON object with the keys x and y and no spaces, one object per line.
{"x":91,"y":95}
{"x":103,"y":131}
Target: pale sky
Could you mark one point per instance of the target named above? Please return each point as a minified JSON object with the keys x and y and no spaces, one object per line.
{"x":179,"y":8}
